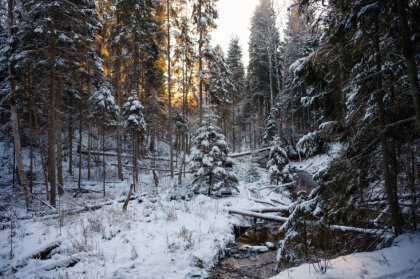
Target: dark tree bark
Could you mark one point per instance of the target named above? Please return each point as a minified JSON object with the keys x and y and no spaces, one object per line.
{"x":51,"y":118}
{"x":171,"y":155}
{"x":390,"y":185}
{"x":41,"y":149}
{"x":409,"y":55}
{"x":79,"y":182}
{"x":59,"y":147}
{"x":14,"y":115}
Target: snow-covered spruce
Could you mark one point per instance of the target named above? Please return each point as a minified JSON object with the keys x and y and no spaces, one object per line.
{"x":277,"y":160}
{"x":312,"y":144}
{"x":133,"y":113}
{"x":209,"y":160}
{"x":270,"y":129}
{"x":252,"y":174}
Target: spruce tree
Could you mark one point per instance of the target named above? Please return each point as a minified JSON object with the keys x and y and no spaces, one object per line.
{"x":277,"y":160}
{"x":105,"y":110}
{"x":211,"y":165}
{"x":135,"y":123}
{"x":204,"y":16}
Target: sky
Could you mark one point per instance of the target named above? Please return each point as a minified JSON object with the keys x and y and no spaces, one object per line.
{"x":234,"y":19}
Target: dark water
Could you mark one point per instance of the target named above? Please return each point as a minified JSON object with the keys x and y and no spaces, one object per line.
{"x":242,"y":262}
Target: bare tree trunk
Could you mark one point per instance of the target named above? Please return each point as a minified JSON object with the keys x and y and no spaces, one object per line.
{"x":51,"y":127}
{"x":89,"y":147}
{"x":270,"y":72}
{"x":409,"y":55}
{"x":79,"y":182}
{"x":200,"y":62}
{"x":70,"y":135}
{"x":118,"y":89}
{"x":390,"y":187}
{"x":59,"y":147}
{"x":103,"y":153}
{"x":171,"y":155}
{"x":134,"y":158}
{"x":31,"y":169}
{"x":41,"y":149}
{"x":14,"y":114}
{"x":14,"y":166}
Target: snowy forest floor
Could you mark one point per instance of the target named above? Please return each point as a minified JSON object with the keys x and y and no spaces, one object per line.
{"x":163,"y":234}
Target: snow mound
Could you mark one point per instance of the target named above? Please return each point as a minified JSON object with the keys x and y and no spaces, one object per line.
{"x":401,"y":260}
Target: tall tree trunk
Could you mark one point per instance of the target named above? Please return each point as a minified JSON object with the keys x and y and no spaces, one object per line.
{"x":79,"y":182}
{"x":200,"y":62}
{"x":171,"y":155}
{"x":409,"y":55}
{"x":89,"y":148}
{"x":390,"y":187}
{"x":51,"y":126}
{"x":31,"y":159}
{"x":233,"y":127}
{"x":59,"y":147}
{"x":118,"y":89}
{"x":70,"y":135}
{"x":41,"y":149}
{"x":103,"y":153}
{"x":270,"y":72}
{"x":14,"y":114}
{"x":134,"y":158}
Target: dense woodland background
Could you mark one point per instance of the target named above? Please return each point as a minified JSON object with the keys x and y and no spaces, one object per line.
{"x":80,"y":78}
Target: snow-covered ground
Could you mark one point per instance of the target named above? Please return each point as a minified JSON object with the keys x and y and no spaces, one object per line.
{"x":401,"y":260}
{"x":157,"y":237}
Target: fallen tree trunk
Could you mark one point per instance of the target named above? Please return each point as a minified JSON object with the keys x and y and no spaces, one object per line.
{"x":43,"y":251}
{"x":258,"y":215}
{"x":357,"y":230}
{"x":270,"y":209}
{"x":263,"y":202}
{"x":279,"y":202}
{"x":235,"y":155}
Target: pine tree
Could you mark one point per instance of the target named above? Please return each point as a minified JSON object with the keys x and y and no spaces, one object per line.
{"x":210,"y":161}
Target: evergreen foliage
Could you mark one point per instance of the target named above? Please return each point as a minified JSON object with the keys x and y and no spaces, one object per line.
{"x":278,"y":159}
{"x":210,"y":161}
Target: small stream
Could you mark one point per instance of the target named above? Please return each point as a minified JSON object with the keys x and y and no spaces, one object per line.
{"x":253,"y":254}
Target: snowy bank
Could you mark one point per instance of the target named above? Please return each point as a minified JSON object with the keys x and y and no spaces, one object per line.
{"x":401,"y":260}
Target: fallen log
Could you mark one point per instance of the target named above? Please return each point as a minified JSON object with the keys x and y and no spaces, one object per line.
{"x":66,"y":262}
{"x":258,"y":215}
{"x":279,"y":202}
{"x":235,"y":155}
{"x":270,"y":209}
{"x":263,"y":202}
{"x":355,"y":229}
{"x":43,"y":251}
